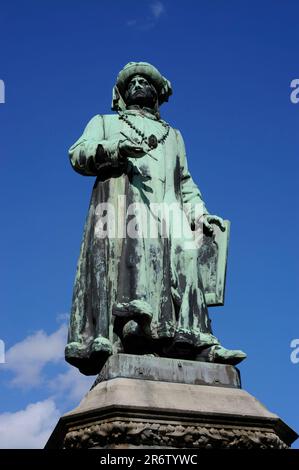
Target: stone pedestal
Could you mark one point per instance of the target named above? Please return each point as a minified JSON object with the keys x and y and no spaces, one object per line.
{"x":149,"y":402}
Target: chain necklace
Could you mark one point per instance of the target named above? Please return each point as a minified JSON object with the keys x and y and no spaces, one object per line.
{"x":152,"y":141}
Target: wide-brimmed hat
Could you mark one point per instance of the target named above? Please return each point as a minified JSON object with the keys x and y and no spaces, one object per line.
{"x":161,"y":84}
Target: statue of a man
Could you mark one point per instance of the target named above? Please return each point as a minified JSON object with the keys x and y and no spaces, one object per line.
{"x":139,"y":294}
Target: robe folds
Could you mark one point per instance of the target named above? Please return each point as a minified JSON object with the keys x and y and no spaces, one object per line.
{"x":138,"y":286}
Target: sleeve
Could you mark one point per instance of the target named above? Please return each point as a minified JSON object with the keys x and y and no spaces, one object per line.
{"x":193,"y":203}
{"x":91,"y":152}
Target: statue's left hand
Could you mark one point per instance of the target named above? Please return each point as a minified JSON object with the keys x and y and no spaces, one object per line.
{"x":209,"y":219}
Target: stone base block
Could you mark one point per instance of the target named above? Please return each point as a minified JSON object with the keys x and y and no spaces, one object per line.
{"x":148,"y":403}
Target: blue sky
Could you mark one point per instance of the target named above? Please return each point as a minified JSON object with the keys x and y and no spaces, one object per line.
{"x":231,"y":64}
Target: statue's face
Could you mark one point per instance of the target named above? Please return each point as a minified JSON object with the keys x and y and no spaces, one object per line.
{"x":140,"y":92}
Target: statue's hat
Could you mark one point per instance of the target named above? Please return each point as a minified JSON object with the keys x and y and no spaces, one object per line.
{"x":161,"y":84}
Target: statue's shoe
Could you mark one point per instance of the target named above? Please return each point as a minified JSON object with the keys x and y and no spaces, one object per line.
{"x":101,"y":344}
{"x":221,"y":355}
{"x":75,"y":350}
{"x":135,"y":339}
{"x":89,"y":359}
{"x":182,"y":347}
{"x":137,"y":310}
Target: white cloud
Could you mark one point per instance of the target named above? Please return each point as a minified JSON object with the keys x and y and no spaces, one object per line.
{"x":29,"y":428}
{"x":28,"y":358}
{"x":62,"y":317}
{"x":146,"y":23}
{"x":157,"y":8}
{"x":72,"y":384}
{"x":131,"y":22}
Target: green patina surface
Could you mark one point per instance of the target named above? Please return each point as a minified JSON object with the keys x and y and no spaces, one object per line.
{"x":142,"y":295}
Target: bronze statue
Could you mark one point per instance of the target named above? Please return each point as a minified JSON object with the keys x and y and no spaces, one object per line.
{"x":134,"y":292}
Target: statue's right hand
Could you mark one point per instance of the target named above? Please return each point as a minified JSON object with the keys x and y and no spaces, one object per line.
{"x":128,"y":149}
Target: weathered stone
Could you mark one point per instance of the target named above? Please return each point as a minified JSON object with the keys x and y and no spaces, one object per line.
{"x":124,"y":412}
{"x":169,"y":370}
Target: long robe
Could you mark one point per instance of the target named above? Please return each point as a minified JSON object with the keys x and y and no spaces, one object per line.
{"x":140,"y":293}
